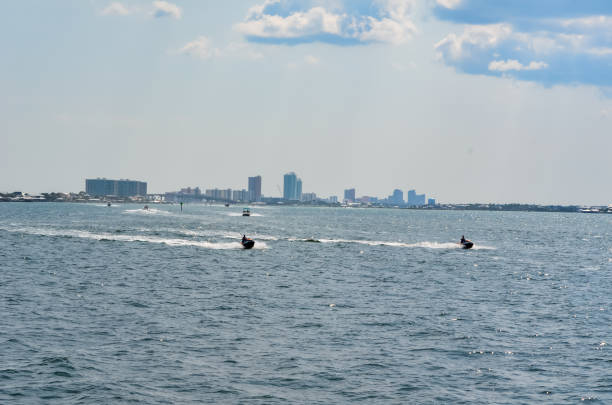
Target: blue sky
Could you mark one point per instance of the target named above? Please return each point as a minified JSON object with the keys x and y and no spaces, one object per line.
{"x":464,"y":100}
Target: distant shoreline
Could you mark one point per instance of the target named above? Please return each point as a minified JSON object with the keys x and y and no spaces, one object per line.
{"x":512,"y":207}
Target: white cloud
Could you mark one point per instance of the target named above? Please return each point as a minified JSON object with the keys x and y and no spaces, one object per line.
{"x":314,"y":21}
{"x":165,"y":9}
{"x":481,"y":36}
{"x":448,"y":3}
{"x":200,"y":48}
{"x":574,"y":50}
{"x":388,"y":30}
{"x":512,"y":64}
{"x":332,"y":22}
{"x":257,"y":10}
{"x":395,"y":26}
{"x":541,"y":43}
{"x":158,"y":9}
{"x":398,"y":10}
{"x":116,"y":8}
{"x":598,"y":21}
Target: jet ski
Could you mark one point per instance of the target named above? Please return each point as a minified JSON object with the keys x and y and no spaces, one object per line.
{"x":467,"y":244}
{"x":247,"y":243}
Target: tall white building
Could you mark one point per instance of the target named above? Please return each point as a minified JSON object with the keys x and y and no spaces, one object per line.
{"x":255,"y":188}
{"x":292,"y":187}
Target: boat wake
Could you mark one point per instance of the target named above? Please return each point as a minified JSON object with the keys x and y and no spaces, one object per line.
{"x":149,"y":211}
{"x":212,"y":233}
{"x":425,"y":244}
{"x":239,"y":214}
{"x":104,"y":236}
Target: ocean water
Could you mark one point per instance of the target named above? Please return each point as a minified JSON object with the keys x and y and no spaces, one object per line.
{"x":119,"y":305}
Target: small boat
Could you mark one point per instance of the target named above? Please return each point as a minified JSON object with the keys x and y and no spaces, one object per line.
{"x":146,"y":207}
{"x":227,"y":204}
{"x":246,"y":212}
{"x":247,"y":243}
{"x":108,"y":204}
{"x":467,"y":244}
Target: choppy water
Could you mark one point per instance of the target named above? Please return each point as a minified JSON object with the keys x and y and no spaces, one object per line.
{"x":118,"y":305}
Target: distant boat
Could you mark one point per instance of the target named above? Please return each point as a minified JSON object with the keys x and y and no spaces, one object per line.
{"x":146,"y":207}
{"x":227,"y":204}
{"x":246,"y":212}
{"x":108,"y":204}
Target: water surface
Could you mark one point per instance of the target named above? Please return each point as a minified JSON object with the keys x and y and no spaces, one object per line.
{"x":120,"y":305}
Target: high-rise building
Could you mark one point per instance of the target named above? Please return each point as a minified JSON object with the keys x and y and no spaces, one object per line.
{"x":397,"y":197}
{"x":367,"y":199}
{"x":240,"y":195}
{"x":255,"y":188}
{"x":292,"y":187}
{"x":412,"y":197}
{"x":119,"y":188}
{"x":349,"y":195}
{"x":289,"y":186}
{"x":219,"y":195}
{"x":309,"y":197}
{"x":415,"y":199}
{"x":431,"y":201}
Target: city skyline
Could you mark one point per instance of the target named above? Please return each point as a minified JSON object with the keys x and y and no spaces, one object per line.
{"x":136,"y":187}
{"x":292,"y":191}
{"x":511,"y":102}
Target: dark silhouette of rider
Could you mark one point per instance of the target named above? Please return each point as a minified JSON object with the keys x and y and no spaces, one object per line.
{"x":462,"y":238}
{"x":244,"y":238}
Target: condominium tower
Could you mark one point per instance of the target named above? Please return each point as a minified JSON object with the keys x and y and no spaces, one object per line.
{"x":292,"y":187}
{"x":255,"y":188}
{"x":120,"y":188}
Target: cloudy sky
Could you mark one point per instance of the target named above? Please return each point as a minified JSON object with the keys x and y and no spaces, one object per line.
{"x":464,"y":100}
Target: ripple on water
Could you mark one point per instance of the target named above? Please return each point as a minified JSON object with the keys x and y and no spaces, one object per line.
{"x":377,"y":306}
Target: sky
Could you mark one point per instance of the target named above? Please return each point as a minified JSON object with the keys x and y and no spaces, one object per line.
{"x":463,"y":100}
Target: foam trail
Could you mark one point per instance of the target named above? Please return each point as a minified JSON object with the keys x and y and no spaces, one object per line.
{"x":263,"y":237}
{"x":426,"y":244}
{"x":210,"y":233}
{"x":135,"y":238}
{"x":239,"y":214}
{"x":150,"y":211}
{"x":255,"y":237}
